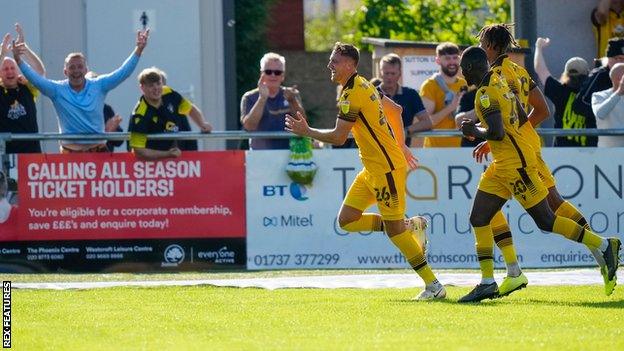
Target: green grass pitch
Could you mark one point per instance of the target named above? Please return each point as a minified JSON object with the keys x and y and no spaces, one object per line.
{"x":203,"y":317}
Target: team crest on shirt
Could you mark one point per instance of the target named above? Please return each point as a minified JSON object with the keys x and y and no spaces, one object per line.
{"x":171,"y":127}
{"x":170,"y":108}
{"x":16,"y":111}
{"x":345,"y":105}
{"x":485,"y":100}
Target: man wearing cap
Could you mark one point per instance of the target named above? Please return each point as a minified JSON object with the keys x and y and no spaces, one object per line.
{"x":608,"y":106}
{"x":563,"y":92}
{"x":598,"y":80}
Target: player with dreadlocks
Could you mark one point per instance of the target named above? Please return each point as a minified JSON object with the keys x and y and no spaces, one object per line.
{"x":497,"y":40}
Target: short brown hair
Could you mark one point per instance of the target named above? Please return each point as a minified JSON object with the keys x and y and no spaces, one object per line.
{"x":151,"y":75}
{"x":72,"y":55}
{"x":347,"y":50}
{"x":447,"y":48}
{"x":392,"y":59}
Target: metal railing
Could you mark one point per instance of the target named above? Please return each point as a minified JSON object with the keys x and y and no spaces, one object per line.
{"x":241,"y":135}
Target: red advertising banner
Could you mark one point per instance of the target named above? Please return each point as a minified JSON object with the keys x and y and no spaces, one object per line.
{"x":116,"y":196}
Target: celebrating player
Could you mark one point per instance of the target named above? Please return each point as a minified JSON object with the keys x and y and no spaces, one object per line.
{"x":385,"y":158}
{"x":513,"y":172}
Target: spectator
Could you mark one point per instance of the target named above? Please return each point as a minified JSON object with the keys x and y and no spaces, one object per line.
{"x":265,"y":108}
{"x":598,"y":80}
{"x":160,"y":110}
{"x":79,"y":101}
{"x":441,"y":94}
{"x":415,"y":116}
{"x":185,"y":126}
{"x":112,"y":120}
{"x":562,"y":93}
{"x":608,"y":107}
{"x":18,"y":112}
{"x":608,"y":22}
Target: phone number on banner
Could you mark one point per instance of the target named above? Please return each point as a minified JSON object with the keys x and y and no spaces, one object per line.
{"x":298,"y":260}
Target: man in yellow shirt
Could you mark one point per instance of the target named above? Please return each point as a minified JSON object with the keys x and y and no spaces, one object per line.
{"x":385,"y":158}
{"x":441,"y":94}
{"x":608,"y":22}
{"x":514,"y":172}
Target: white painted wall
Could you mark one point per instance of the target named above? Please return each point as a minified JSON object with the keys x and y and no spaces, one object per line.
{"x":174,"y":45}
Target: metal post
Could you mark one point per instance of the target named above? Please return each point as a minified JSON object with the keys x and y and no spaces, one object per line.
{"x":229,"y":62}
{"x":524,"y":16}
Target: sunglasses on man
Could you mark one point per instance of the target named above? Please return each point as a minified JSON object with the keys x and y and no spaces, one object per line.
{"x":274,"y":72}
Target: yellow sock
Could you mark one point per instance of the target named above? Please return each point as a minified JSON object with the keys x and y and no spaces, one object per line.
{"x":567,"y":210}
{"x":368,"y":222}
{"x":411,"y":250}
{"x":485,"y":250}
{"x":573,"y":231}
{"x":502,"y":237}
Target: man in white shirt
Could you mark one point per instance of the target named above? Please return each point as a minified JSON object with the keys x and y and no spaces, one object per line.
{"x":608,"y":106}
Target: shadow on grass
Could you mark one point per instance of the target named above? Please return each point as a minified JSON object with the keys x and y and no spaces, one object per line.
{"x":615,"y":304}
{"x":448,"y":301}
{"x":619,"y":304}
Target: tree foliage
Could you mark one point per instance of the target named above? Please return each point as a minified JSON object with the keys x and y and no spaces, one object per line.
{"x":419,"y":20}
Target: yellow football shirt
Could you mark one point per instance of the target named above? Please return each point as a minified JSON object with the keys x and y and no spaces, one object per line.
{"x":359,"y":102}
{"x":514,"y":151}
{"x":520,"y":83}
{"x":432,"y":91}
{"x":614,"y":27}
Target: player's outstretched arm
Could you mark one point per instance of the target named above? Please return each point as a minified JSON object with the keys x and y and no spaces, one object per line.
{"x":298,"y":125}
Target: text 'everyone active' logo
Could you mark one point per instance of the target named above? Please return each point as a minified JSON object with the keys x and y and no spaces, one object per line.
{"x":297,"y":191}
{"x":223,"y":255}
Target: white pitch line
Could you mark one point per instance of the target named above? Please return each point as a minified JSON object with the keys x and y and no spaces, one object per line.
{"x":356,"y":281}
